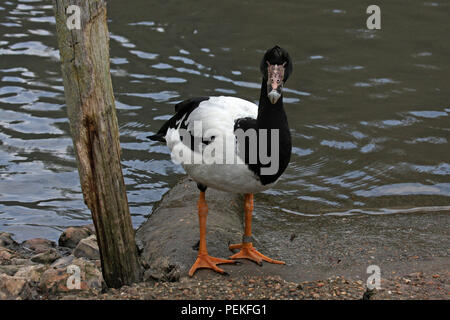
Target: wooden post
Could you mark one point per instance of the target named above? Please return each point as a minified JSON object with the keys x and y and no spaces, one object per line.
{"x":90,"y":103}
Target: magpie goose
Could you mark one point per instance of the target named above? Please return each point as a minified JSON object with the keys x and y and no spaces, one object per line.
{"x":233,"y":145}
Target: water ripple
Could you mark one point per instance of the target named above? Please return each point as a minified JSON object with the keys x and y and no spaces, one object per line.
{"x":369,"y":135}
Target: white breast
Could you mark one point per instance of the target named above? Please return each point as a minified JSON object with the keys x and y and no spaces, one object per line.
{"x":217,"y":117}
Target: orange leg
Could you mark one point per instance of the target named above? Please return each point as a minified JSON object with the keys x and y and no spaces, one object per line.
{"x":247,"y":249}
{"x":203,"y":259}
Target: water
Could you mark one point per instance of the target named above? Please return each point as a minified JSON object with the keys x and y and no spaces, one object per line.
{"x":369,"y":110}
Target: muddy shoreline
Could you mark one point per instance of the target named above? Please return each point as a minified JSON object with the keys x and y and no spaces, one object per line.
{"x":319,"y":249}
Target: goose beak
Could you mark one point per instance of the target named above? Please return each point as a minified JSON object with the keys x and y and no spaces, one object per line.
{"x":273,"y":96}
{"x":275,"y":81}
{"x":275,"y":89}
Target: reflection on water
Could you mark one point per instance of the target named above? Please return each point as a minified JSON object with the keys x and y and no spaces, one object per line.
{"x":369,"y":110}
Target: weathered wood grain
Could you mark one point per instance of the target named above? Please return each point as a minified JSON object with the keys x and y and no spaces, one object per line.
{"x":93,"y":123}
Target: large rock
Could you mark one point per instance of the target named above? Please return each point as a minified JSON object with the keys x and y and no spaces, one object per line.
{"x":9,"y":269}
{"x":5,"y":255}
{"x":63,"y":262}
{"x":38,"y":245}
{"x":46,"y":257}
{"x":87,"y":248}
{"x":73,"y":235}
{"x":32,"y":273}
{"x":168,"y":239}
{"x":13,"y":288}
{"x":6,"y":239}
{"x":21,"y":262}
{"x":55,"y":280}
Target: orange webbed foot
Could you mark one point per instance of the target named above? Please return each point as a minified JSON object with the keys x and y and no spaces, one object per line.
{"x":249,"y":252}
{"x":208,"y":262}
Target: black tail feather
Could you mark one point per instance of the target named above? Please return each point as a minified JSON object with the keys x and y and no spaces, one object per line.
{"x":161,"y":134}
{"x":183,"y":108}
{"x":157,"y":137}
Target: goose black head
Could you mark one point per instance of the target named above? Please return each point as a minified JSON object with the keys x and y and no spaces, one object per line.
{"x":276,"y":67}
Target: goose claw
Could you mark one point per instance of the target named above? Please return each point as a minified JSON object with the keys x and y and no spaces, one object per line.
{"x":249,"y":252}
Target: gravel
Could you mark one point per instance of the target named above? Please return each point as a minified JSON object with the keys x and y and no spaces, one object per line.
{"x":412,"y":286}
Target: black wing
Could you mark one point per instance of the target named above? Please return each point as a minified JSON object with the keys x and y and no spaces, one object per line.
{"x":245,"y":149}
{"x":245,"y":124}
{"x":181,"y":109}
